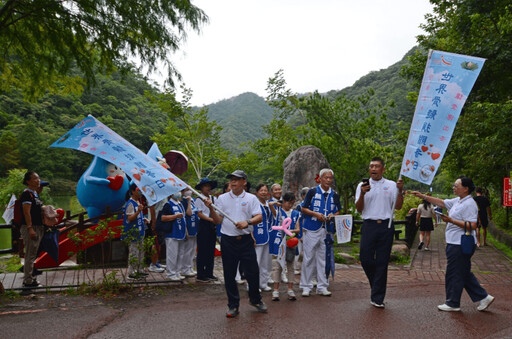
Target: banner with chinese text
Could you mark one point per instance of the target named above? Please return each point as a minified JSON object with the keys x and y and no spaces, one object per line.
{"x":446,"y":84}
{"x":93,"y":137}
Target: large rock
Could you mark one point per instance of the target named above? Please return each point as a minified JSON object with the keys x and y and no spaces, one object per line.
{"x":301,"y":168}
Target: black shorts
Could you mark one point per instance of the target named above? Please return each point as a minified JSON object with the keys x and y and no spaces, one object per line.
{"x":426,"y":224}
{"x":484,"y":222}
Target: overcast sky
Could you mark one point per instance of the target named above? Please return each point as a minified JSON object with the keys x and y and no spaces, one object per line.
{"x":320,"y":44}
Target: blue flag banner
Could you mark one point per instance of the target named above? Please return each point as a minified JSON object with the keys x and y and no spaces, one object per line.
{"x":446,"y":84}
{"x":93,"y":137}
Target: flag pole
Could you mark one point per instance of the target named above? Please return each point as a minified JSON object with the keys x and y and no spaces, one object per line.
{"x":202,"y":197}
{"x":394,"y":204}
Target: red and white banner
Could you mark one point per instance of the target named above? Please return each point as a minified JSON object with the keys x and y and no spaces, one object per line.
{"x":507,"y":193}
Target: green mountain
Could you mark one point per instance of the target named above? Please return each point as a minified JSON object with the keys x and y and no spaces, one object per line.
{"x":241,"y":118}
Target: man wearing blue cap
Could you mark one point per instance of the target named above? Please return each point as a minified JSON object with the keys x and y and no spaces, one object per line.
{"x":237,"y":243}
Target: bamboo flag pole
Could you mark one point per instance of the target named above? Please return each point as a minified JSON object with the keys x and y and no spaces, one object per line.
{"x":202,"y":197}
{"x":394,"y":204}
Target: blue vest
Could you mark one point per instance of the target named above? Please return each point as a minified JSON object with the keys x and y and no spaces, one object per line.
{"x":179,"y":225}
{"x":281,"y":215}
{"x":135,"y":228}
{"x":321,"y":205}
{"x":261,"y":231}
{"x":192,"y":221}
{"x":301,"y":220}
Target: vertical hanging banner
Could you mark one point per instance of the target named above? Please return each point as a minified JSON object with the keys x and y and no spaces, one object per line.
{"x":93,"y":137}
{"x":446,"y":84}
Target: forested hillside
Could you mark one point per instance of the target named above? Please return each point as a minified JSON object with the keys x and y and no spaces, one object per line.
{"x":28,"y":128}
{"x":241,"y":118}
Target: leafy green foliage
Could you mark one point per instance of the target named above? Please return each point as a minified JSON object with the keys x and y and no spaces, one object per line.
{"x":42,"y":40}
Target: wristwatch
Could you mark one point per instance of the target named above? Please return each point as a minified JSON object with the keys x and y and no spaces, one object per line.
{"x":249,"y":222}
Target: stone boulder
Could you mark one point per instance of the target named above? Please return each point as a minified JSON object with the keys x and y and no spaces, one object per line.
{"x":301,"y":168}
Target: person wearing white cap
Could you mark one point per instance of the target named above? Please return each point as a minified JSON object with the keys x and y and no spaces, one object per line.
{"x":237,"y":243}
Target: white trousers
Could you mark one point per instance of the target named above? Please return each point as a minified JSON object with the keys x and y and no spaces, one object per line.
{"x":174,"y":256}
{"x":313,"y":260}
{"x":297,"y":257}
{"x":265,"y":264}
{"x":189,"y":252}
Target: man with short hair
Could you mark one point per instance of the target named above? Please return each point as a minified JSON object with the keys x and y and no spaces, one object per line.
{"x":375,"y":200}
{"x":237,"y":243}
{"x":321,"y":204}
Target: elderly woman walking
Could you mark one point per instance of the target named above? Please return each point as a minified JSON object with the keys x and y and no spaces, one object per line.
{"x":462,"y":212}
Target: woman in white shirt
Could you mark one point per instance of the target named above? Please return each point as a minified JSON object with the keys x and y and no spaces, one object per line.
{"x":424,"y":217}
{"x":461,"y":211}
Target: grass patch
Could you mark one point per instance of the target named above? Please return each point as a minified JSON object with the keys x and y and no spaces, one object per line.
{"x":9,"y":263}
{"x":398,"y":259}
{"x":500,"y":246}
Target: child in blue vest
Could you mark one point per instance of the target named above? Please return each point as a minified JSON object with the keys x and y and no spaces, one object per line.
{"x":192,"y":220}
{"x":133,"y":232}
{"x":285,"y":260}
{"x":261,"y":238}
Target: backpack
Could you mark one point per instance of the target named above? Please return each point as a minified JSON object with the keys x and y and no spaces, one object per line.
{"x":18,"y":212}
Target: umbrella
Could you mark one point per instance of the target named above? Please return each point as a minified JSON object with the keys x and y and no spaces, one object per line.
{"x":329,"y":255}
{"x":177,"y":161}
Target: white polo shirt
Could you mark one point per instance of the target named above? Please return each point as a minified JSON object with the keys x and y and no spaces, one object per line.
{"x":202,"y":207}
{"x":378,"y":202}
{"x":239,"y":208}
{"x":464,"y":209}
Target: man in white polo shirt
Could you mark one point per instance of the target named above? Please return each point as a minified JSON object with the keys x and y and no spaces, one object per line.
{"x":237,"y":243}
{"x":374,"y":200}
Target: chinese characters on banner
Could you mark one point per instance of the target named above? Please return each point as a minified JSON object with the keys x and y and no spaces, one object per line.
{"x":446,"y":84}
{"x":93,"y":137}
{"x":507,"y":192}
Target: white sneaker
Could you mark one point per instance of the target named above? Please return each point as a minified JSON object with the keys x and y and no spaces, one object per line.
{"x":156,"y":269}
{"x":174,"y":278}
{"x":324,"y":293}
{"x":377,"y":305}
{"x":296,"y":272}
{"x":275,"y":296}
{"x":305,"y":293}
{"x":190,"y":273}
{"x":447,"y":308}
{"x":181,"y":276}
{"x":266,"y":288}
{"x":270,"y":281}
{"x":314,"y":282}
{"x":427,"y":249}
{"x":240,"y":282}
{"x":291,"y":295}
{"x":284,"y":279}
{"x":485,"y":302}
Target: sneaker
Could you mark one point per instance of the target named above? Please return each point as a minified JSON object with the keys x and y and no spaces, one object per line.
{"x":284,"y":279}
{"x":159,"y":265}
{"x":232,"y":312}
{"x":314,"y":282}
{"x":296,"y":272}
{"x":266,"y":288}
{"x":182,"y":277}
{"x":291,"y":295}
{"x":447,"y":308}
{"x":275,"y":296}
{"x":420,"y":246}
{"x":190,"y":274}
{"x":427,"y":249}
{"x":156,"y":269}
{"x":485,"y":302}
{"x":33,"y":284}
{"x":205,"y":280}
{"x":378,"y":305}
{"x":324,"y":293}
{"x":305,"y":293}
{"x":134,"y":276}
{"x":239,"y":281}
{"x":270,"y":281}
{"x":261,"y":307}
{"x":174,"y":278}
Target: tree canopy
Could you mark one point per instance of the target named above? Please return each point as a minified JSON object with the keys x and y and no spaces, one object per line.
{"x":41,"y":41}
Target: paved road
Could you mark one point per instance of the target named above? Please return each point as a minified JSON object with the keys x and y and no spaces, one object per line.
{"x":197,"y":310}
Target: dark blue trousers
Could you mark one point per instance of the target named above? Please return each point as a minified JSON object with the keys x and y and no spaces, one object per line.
{"x":240,"y":250}
{"x":375,"y":250}
{"x":459,"y":276}
{"x":206,"y":239}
